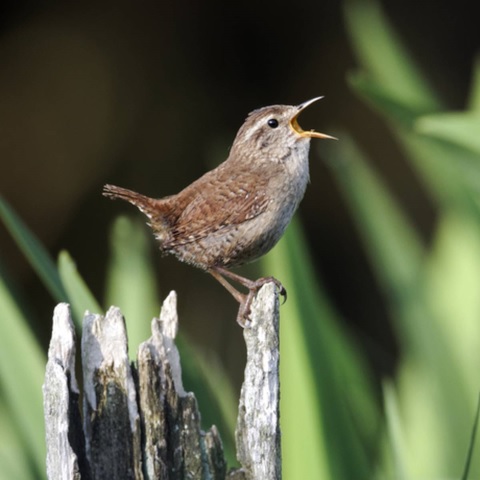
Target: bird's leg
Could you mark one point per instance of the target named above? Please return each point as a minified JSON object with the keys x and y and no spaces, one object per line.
{"x":242,"y":299}
{"x":239,"y":297}
{"x":253,"y":286}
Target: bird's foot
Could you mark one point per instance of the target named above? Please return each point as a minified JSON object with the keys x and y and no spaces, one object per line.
{"x":245,"y":300}
{"x":243,"y":316}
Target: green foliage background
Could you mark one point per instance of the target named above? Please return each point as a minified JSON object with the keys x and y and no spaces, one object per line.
{"x":335,"y":424}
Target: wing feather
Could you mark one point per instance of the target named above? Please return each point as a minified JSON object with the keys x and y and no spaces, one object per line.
{"x":220,"y":200}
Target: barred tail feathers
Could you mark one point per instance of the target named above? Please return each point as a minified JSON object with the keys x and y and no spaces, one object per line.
{"x":143,"y":203}
{"x":150,"y":207}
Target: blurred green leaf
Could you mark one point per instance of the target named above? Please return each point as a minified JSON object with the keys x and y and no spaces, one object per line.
{"x":390,"y":80}
{"x":204,"y":375}
{"x":468,"y":461}
{"x":383,"y":99}
{"x":131,"y":282}
{"x":452,"y":283}
{"x":327,"y":410}
{"x":14,"y":461}
{"x":433,"y":382}
{"x":79,"y":295}
{"x":396,"y":438}
{"x":396,"y":252}
{"x":449,"y":173}
{"x":443,"y":147}
{"x":382,"y":54}
{"x":21,"y":375}
{"x":459,"y":128}
{"x":33,"y":250}
{"x":474,"y":97}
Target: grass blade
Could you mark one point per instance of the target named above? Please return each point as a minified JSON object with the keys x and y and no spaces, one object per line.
{"x":474,"y":97}
{"x":459,"y":128}
{"x":22,"y":365}
{"x":34,"y":251}
{"x":472,"y":442}
{"x":396,"y":438}
{"x":395,"y":250}
{"x":14,"y":461}
{"x":204,"y":375}
{"x":383,"y":55}
{"x":131,"y":282}
{"x":79,"y":295}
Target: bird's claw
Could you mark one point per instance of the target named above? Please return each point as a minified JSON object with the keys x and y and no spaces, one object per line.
{"x":245,"y":307}
{"x":282,"y":291}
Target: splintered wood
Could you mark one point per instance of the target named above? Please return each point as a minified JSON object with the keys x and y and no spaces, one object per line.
{"x":138,"y":420}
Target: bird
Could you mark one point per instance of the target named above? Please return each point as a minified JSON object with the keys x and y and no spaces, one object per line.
{"x":237,"y":212}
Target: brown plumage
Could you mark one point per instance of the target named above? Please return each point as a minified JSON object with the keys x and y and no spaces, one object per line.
{"x":237,"y":212}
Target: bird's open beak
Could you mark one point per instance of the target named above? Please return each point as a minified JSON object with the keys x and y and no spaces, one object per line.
{"x":298,"y":129}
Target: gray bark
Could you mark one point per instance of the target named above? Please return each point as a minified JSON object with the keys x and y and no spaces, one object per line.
{"x":258,"y":424}
{"x":139,"y":422}
{"x":111,"y":418}
{"x":63,"y":427}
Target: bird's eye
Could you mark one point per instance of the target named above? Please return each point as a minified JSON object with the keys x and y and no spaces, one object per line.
{"x":273,"y":123}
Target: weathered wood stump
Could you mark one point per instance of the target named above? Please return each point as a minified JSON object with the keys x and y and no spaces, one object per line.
{"x":138,"y":421}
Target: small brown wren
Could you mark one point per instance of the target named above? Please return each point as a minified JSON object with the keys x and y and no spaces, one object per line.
{"x":237,"y":212}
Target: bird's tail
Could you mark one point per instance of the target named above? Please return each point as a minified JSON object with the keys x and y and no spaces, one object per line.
{"x":145,"y":204}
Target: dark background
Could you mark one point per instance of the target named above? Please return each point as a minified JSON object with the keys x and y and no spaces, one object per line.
{"x":149,"y":95}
